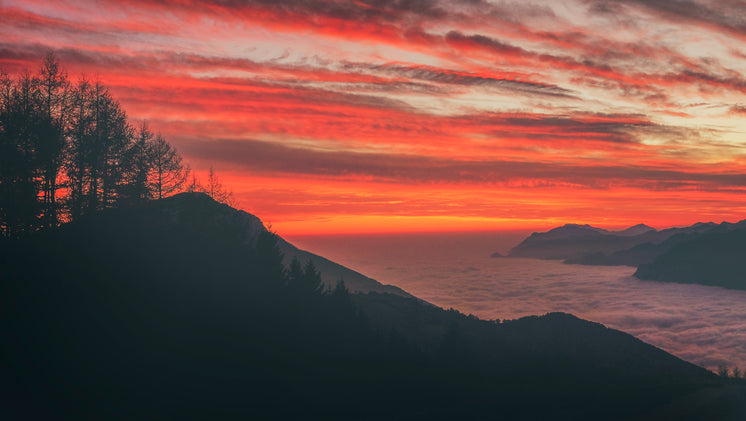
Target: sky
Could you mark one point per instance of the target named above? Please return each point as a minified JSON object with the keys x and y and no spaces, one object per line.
{"x":413,"y":115}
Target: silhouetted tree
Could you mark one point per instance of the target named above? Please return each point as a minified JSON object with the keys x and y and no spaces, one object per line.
{"x":194,"y":185}
{"x":723,"y":370}
{"x":138,"y":161}
{"x":54,"y":92}
{"x":311,"y":282}
{"x":81,"y":128}
{"x":340,"y":290}
{"x":107,"y":162}
{"x":340,"y":300}
{"x":304,"y":280}
{"x":269,"y":259}
{"x":168,"y":173}
{"x":154,"y":168}
{"x":100,"y":136}
{"x":70,"y":150}
{"x":294,"y":272}
{"x":216,"y":190}
{"x":113,"y":135}
{"x":19,"y":160}
{"x":453,"y":348}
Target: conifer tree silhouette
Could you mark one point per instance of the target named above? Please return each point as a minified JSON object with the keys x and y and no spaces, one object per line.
{"x":69,"y":150}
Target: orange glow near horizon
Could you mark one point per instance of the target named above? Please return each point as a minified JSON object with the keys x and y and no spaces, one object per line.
{"x":327,"y":207}
{"x":373,"y":117}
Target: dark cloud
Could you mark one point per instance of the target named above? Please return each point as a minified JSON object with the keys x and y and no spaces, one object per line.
{"x":511,"y":53}
{"x":271,"y":157}
{"x":727,"y":15}
{"x":79,"y":57}
{"x":391,"y":11}
{"x":10,"y":53}
{"x":456,"y":37}
{"x":574,"y":126}
{"x":96,"y":31}
{"x":676,"y":70}
{"x":452,"y":77}
{"x":292,"y":100}
{"x":732,"y":82}
{"x":614,"y":128}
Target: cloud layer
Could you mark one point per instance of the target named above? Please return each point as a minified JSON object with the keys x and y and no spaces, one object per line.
{"x":701,"y":324}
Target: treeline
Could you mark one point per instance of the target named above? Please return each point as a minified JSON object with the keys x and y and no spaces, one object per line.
{"x":67,"y":150}
{"x":727,"y":373}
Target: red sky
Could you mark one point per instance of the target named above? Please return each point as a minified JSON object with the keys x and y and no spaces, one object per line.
{"x":415,"y":115}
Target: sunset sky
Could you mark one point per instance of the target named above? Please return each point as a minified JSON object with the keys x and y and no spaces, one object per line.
{"x":415,"y":115}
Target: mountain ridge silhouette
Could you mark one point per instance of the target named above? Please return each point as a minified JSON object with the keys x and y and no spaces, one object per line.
{"x":182,"y":308}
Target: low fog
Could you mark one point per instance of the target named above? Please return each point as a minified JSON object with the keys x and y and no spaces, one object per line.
{"x":700,"y":324}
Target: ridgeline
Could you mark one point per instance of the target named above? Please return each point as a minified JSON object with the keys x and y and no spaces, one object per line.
{"x":182,"y":308}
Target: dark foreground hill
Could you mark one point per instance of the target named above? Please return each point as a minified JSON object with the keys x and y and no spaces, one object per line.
{"x":173,"y":310}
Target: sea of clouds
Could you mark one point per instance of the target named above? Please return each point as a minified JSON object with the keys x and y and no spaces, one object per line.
{"x":701,"y":324}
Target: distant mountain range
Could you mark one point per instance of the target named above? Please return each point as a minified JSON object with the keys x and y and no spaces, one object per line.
{"x":705,"y":253}
{"x":716,"y":257}
{"x":182,"y":309}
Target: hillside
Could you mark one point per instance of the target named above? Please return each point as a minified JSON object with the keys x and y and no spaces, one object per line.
{"x":181,"y":309}
{"x":703,"y":253}
{"x":332,"y":272}
{"x":573,"y":241}
{"x":642,"y":253}
{"x":206,"y":214}
{"x":587,"y":245}
{"x":715,"y":258}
